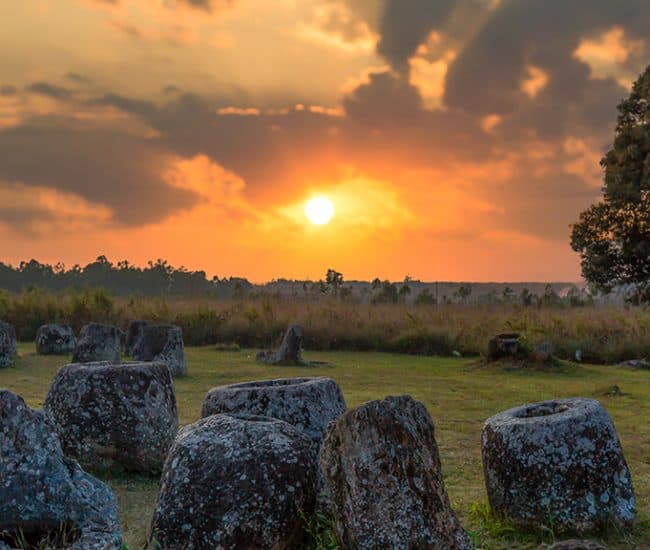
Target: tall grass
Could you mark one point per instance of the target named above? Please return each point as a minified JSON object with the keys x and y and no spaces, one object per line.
{"x":603,"y":334}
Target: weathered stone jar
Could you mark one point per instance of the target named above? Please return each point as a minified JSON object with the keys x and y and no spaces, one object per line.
{"x":98,"y":342}
{"x":44,"y":494}
{"x":290,"y":351}
{"x":54,"y":339}
{"x":7,"y":344}
{"x":503,"y":346}
{"x":114,"y":416}
{"x":309,"y":404}
{"x":162,"y":344}
{"x":557,"y":461}
{"x":382,"y":467}
{"x":236,"y":481}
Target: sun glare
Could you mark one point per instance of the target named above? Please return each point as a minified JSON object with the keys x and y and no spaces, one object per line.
{"x":319,"y":210}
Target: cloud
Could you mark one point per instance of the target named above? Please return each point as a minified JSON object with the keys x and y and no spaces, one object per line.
{"x":405,"y":25}
{"x":77,"y":78}
{"x":39,"y":211}
{"x":536,"y":33}
{"x":49,"y":90}
{"x":103,"y":166}
{"x":8,"y":90}
{"x":334,"y":24}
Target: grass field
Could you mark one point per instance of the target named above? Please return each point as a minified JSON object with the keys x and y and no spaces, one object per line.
{"x":459,"y":394}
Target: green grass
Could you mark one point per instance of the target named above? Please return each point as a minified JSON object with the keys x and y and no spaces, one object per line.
{"x":459,"y":393}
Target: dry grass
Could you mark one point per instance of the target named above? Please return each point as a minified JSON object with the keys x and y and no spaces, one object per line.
{"x":603,"y":334}
{"x":459,"y":393}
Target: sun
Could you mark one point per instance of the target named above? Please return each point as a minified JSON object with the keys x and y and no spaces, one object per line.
{"x":319,"y":210}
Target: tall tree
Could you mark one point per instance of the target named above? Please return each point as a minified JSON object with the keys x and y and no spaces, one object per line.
{"x":613,"y":235}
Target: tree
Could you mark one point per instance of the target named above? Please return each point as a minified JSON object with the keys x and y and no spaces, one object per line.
{"x":508,"y":294}
{"x":404,"y":291}
{"x":425,"y":298}
{"x":334,"y":280}
{"x":463,"y":292}
{"x":613,"y":235}
{"x":388,"y":294}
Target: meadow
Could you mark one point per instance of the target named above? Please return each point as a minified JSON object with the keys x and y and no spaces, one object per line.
{"x":460,"y":393}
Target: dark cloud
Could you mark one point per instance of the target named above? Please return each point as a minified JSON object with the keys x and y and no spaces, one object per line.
{"x":107,"y":167}
{"x":49,"y":90}
{"x":405,"y":25}
{"x":487,"y":75}
{"x":139,"y":107}
{"x":171,"y":89}
{"x":8,"y":90}
{"x":77,"y":78}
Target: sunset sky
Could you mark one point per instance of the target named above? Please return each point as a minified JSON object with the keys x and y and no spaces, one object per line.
{"x":456,"y":139}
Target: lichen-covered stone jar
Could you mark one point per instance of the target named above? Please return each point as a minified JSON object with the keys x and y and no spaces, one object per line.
{"x":557,"y":462}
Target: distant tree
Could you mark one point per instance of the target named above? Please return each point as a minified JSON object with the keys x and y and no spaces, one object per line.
{"x":613,"y":235}
{"x":404,"y":292}
{"x":376,"y":283}
{"x":425,"y":298}
{"x":508,"y":294}
{"x":463,"y":292}
{"x":550,"y":297}
{"x":334,"y":280}
{"x":526,"y":297}
{"x":387,"y":294}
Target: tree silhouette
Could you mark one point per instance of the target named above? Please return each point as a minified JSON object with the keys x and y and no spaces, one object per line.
{"x":613,"y":235}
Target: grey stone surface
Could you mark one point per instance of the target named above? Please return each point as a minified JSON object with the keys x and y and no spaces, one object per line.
{"x":503,"y":346}
{"x":309,"y":404}
{"x":114,"y":416}
{"x":381,"y":463}
{"x":557,"y":461}
{"x":55,"y":339}
{"x":41,"y":490}
{"x":98,"y":342}
{"x":162,"y":344}
{"x":7,"y":344}
{"x":236,"y":481}
{"x":290,"y":350}
{"x":134,"y":333}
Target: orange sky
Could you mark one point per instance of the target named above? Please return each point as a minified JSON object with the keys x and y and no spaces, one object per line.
{"x":457,"y":139}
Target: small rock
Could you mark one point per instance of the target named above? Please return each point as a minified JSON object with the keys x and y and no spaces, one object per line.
{"x":236,"y":481}
{"x":382,"y":467}
{"x":98,"y":342}
{"x":290,"y":351}
{"x":503,"y":346}
{"x":558,"y":461}
{"x":114,"y":416}
{"x":309,"y":404}
{"x":44,"y":494}
{"x":55,"y":339}
{"x":7,"y":344}
{"x":162,"y":344}
{"x":637,"y":363}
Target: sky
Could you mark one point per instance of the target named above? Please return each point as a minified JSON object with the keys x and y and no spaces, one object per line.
{"x":456,"y":139}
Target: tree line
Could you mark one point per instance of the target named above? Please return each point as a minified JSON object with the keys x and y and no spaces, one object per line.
{"x":157,"y":278}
